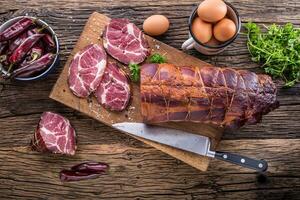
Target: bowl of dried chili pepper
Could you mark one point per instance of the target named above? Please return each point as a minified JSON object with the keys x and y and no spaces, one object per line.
{"x":29,"y":49}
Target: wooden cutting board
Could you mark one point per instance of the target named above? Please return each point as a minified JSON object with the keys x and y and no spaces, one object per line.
{"x":61,"y":93}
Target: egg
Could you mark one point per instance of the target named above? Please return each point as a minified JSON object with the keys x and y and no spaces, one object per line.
{"x":213,"y":42}
{"x":224,"y":30}
{"x":212,"y":10}
{"x":156,"y":25}
{"x":202,"y":30}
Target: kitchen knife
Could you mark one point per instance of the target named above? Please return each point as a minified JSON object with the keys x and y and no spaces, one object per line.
{"x":187,"y":141}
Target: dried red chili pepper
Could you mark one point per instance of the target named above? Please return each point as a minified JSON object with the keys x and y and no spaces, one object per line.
{"x":83,"y":171}
{"x":3,"y":54}
{"x":33,"y":67}
{"x":25,"y":62}
{"x":3,"y":58}
{"x":20,"y":52}
{"x":17,"y":42}
{"x":70,"y":175}
{"x":3,"y":46}
{"x":34,"y":31}
{"x":49,"y":41}
{"x":91,"y":167}
{"x":4,"y":61}
{"x":36,"y":52}
{"x":16,"y":28}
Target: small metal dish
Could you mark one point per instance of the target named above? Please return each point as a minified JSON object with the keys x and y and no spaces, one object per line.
{"x":54,"y":36}
{"x":205,"y":49}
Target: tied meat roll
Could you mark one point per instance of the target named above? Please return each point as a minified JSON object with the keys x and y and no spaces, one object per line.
{"x":221,"y":96}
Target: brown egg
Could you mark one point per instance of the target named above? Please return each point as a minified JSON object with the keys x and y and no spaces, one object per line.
{"x":212,"y":10}
{"x":156,"y":25}
{"x":224,"y":30}
{"x":213,"y":42}
{"x":202,"y":30}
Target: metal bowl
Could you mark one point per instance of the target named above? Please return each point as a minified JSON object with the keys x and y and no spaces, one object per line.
{"x":55,"y":62}
{"x":232,"y":14}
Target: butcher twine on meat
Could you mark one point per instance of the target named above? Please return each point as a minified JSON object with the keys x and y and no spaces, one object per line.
{"x":86,"y":70}
{"x":125,"y":41}
{"x":221,"y":96}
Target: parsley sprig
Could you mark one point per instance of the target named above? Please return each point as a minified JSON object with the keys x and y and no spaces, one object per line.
{"x":134,"y":72}
{"x":278,"y":48}
{"x":157,"y":58}
{"x":135,"y":68}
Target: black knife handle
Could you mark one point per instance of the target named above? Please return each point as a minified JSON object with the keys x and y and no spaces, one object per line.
{"x":258,"y":165}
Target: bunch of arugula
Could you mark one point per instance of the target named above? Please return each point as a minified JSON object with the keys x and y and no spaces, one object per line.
{"x":278,"y":48}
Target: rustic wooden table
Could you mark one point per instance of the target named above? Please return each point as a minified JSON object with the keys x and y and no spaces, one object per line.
{"x":137,"y":170}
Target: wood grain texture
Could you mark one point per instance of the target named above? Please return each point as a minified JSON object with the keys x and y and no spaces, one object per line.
{"x":151,"y":174}
{"x":145,"y":173}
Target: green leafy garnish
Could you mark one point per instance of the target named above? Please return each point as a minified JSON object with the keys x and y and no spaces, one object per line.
{"x":157,"y":58}
{"x":278,"y":48}
{"x":134,"y":72}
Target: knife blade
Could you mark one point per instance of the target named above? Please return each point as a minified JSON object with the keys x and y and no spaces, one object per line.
{"x":171,"y":137}
{"x":188,"y":142}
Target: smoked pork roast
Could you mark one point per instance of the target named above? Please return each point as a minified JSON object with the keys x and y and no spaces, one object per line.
{"x":221,"y":96}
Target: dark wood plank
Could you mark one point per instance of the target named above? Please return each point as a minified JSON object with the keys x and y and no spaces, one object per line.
{"x":138,"y":171}
{"x":260,"y":11}
{"x":145,"y":173}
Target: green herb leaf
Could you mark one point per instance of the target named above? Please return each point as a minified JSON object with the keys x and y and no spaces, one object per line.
{"x":157,"y":58}
{"x":134,"y":72}
{"x":278,"y":49}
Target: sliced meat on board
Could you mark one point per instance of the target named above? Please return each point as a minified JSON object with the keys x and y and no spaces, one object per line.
{"x":221,"y":96}
{"x":86,"y":70}
{"x":125,"y":42}
{"x":54,"y":134}
{"x":114,"y":90}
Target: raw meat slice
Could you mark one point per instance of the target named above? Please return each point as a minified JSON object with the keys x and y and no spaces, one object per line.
{"x":221,"y":96}
{"x":125,"y":42}
{"x":114,"y":90}
{"x":54,"y":134}
{"x":86,"y":70}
